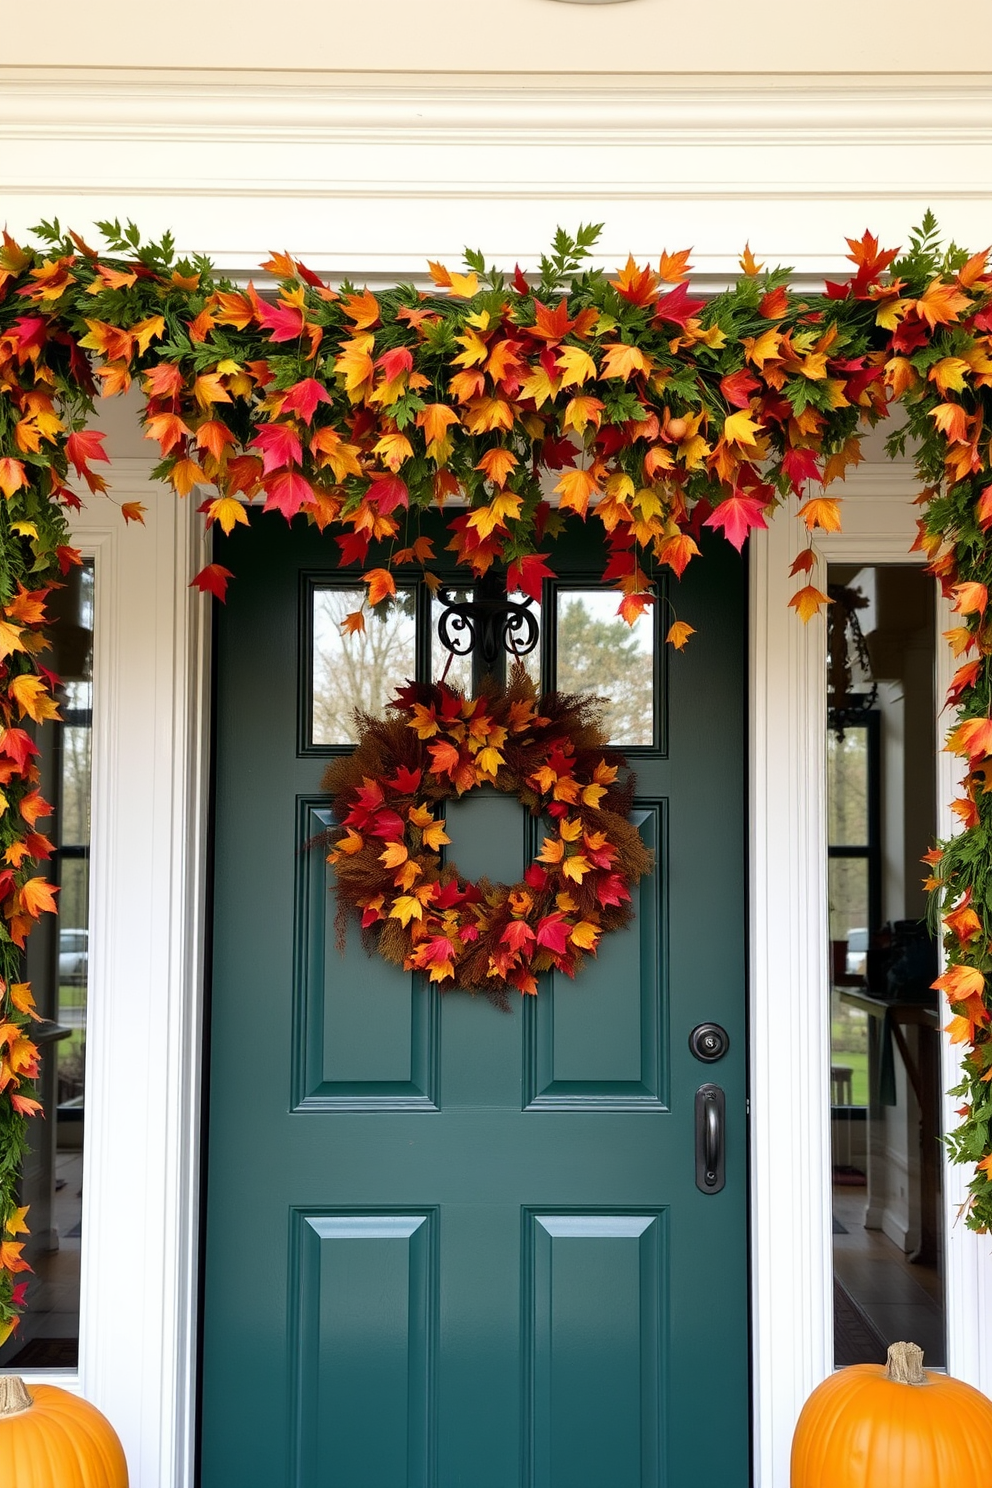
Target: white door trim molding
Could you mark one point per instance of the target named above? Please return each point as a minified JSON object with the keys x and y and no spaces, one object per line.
{"x":140,"y":1226}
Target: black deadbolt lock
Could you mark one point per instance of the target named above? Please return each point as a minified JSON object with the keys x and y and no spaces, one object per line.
{"x":709,"y":1042}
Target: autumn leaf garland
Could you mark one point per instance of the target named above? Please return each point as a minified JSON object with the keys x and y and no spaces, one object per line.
{"x":418,"y":911}
{"x":527,"y":403}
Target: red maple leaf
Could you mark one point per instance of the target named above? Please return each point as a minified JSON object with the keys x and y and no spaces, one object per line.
{"x":213,"y":580}
{"x":387,"y":492}
{"x":18,"y":746}
{"x":552,"y":933}
{"x":280,"y":446}
{"x":799,"y":465}
{"x":517,"y":935}
{"x":354,"y":547}
{"x":677,"y":307}
{"x":407,"y":782}
{"x":737,"y":515}
{"x":85,"y":445}
{"x":287,"y":492}
{"x":528,"y":574}
{"x":304,"y":396}
{"x":738,"y":386}
{"x":284,"y":321}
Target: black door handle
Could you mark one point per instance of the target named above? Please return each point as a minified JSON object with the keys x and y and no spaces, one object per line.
{"x":711,"y":1113}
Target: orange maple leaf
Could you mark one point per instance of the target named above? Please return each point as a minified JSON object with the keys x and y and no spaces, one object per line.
{"x":674,"y":267}
{"x":678,"y":633}
{"x":497,"y":463}
{"x":37,"y":897}
{"x":380,"y":583}
{"x":821,"y":511}
{"x":807,"y":601}
{"x":133,"y":511}
{"x":575,"y":488}
{"x":639,"y":286}
{"x":621,"y":360}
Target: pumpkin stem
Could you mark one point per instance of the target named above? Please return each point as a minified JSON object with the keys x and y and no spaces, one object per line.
{"x":905,"y":1364}
{"x":15,"y":1396}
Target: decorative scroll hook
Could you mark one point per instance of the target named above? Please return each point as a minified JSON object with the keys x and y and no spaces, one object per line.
{"x":490,"y":626}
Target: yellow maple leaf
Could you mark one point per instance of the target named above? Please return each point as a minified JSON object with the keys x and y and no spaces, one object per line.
{"x":393,"y":450}
{"x":582,"y":411}
{"x":228,"y":511}
{"x":577,"y":366}
{"x":749,"y":265}
{"x":15,"y":1224}
{"x":679,"y":632}
{"x":489,"y":761}
{"x":485,"y":518}
{"x":585,"y":935}
{"x":576,"y":868}
{"x":406,"y":907}
{"x":33,"y":698}
{"x":435,"y":836}
{"x":741,"y":428}
{"x":950,"y":373}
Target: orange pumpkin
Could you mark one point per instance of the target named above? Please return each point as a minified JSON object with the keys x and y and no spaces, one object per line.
{"x":51,"y":1439}
{"x":893,"y":1425}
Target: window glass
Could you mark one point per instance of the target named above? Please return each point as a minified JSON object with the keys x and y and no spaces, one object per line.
{"x":357,"y":669}
{"x":598,"y":652}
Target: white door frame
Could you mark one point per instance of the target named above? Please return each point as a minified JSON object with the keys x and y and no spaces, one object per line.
{"x":390,"y":170}
{"x":151,"y":747}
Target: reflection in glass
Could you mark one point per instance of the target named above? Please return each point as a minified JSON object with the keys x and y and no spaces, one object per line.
{"x":598,"y":652}
{"x":847,"y":788}
{"x":361,"y":669}
{"x":847,"y":887}
{"x":888,"y":1245}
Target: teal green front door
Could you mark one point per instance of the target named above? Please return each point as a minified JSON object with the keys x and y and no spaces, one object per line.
{"x":449,"y":1247}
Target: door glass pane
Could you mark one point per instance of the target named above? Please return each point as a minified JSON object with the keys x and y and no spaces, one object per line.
{"x":57,"y":965}
{"x":847,"y":886}
{"x":357,"y":669}
{"x":888,"y":1238}
{"x":847,"y":788}
{"x":598,"y":652}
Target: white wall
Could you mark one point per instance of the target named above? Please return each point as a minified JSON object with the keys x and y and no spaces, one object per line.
{"x":527,"y":36}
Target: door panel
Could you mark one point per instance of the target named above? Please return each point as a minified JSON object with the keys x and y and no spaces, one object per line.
{"x":448,"y":1247}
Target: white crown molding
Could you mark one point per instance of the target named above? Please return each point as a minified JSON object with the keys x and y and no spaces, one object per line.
{"x":370,"y":174}
{"x":152,"y":104}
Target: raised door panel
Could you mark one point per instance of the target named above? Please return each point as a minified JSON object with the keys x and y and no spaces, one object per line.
{"x":596,"y":1349}
{"x":363,"y":1323}
{"x":365,"y":1033}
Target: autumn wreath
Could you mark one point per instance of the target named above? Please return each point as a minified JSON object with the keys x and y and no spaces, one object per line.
{"x":418,"y":911}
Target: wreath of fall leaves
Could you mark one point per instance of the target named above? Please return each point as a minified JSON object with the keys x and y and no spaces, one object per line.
{"x":417,"y":910}
{"x":645,"y":408}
